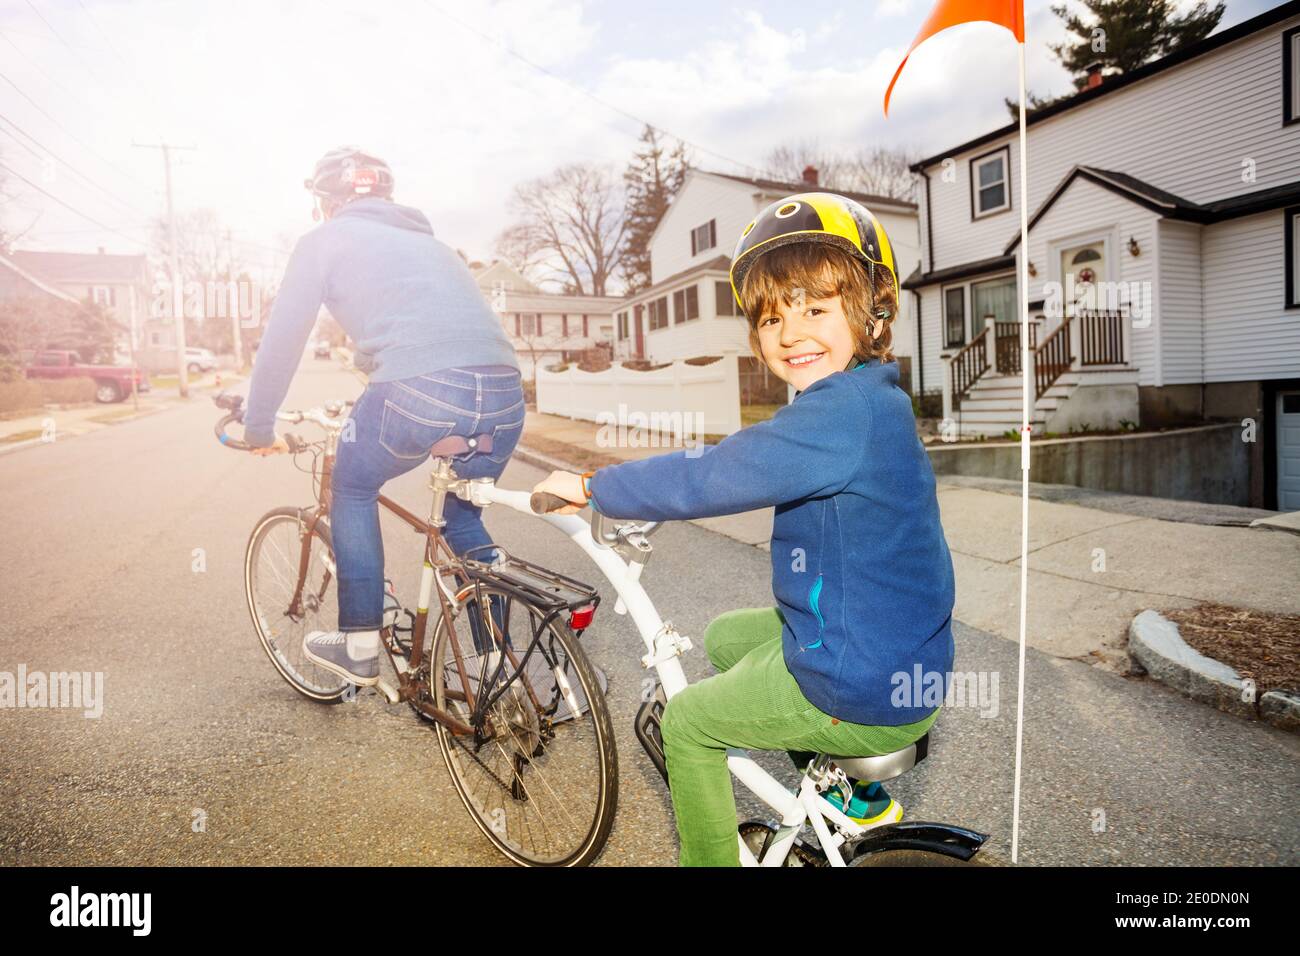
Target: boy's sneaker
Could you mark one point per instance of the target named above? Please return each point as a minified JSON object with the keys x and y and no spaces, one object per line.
{"x":329,"y":649}
{"x":870,"y":804}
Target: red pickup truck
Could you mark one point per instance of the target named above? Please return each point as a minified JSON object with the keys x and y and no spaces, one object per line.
{"x":112,"y":382}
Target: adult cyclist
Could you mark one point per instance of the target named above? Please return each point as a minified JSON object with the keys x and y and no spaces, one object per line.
{"x":439,"y":364}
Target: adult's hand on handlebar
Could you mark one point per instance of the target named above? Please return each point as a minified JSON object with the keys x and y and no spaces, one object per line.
{"x":279,"y":447}
{"x":566,"y":485}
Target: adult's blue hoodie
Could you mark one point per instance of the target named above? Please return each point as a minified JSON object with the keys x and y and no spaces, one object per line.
{"x":407,"y":300}
{"x":860,"y":568}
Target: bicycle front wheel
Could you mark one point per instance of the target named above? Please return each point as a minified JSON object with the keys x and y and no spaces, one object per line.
{"x":270,"y":576}
{"x":539,"y":774}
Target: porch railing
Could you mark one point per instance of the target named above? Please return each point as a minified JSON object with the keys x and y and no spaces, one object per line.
{"x":1006,"y":336}
{"x":1101,"y":336}
{"x":1052,"y":358}
{"x":968,"y":365}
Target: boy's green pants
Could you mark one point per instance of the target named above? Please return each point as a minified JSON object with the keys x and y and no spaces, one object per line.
{"x":754,"y":704}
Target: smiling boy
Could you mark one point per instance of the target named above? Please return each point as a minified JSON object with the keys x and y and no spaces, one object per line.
{"x":861,"y":573}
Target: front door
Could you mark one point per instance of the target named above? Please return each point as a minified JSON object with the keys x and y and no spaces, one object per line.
{"x":1288,"y":451}
{"x":1081,"y":269}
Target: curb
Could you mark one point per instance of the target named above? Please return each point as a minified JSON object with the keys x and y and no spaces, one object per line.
{"x":538,"y":460}
{"x":1157,"y":649}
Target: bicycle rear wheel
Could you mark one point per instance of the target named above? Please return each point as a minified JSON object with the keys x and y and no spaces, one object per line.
{"x":270,"y":575}
{"x":540,"y":774}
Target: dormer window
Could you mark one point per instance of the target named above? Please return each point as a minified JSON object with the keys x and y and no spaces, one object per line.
{"x":990,"y":183}
{"x":704,"y":237}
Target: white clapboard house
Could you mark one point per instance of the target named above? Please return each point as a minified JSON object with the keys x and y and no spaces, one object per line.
{"x":688,"y":310}
{"x":1164,"y":253}
{"x":545,"y":327}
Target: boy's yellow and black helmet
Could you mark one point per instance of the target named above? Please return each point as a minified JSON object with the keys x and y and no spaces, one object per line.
{"x":814,"y":217}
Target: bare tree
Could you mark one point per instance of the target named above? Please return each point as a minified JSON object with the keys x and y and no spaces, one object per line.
{"x":878,"y":170}
{"x":572,"y":222}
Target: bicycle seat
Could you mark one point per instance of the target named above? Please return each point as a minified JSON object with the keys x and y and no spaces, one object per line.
{"x":884,"y":766}
{"x":454,"y":445}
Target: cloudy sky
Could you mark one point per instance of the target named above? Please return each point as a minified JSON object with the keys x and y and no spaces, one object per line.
{"x":466,"y":98}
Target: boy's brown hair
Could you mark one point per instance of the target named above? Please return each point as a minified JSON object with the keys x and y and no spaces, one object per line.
{"x":822,"y":270}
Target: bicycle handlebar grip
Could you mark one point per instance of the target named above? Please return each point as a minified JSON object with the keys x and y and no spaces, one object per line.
{"x":543,"y":502}
{"x":225,"y":439}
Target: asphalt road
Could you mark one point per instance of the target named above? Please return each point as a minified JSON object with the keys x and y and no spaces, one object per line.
{"x":98,"y":559}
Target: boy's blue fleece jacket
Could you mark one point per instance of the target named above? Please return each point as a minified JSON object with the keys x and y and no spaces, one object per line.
{"x":860,"y":568}
{"x":407,"y":300}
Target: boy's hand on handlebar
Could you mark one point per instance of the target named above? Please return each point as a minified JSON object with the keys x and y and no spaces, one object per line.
{"x":566,"y":485}
{"x":279,"y":447}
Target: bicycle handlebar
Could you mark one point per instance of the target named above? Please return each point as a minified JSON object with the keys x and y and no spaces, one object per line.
{"x":318,"y":416}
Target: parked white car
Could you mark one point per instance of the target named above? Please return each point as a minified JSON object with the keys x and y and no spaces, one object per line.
{"x":199,"y":360}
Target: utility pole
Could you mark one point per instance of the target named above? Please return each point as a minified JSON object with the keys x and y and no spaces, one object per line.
{"x":178,"y":297}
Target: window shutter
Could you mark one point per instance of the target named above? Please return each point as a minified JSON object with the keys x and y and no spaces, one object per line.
{"x":713,"y":233}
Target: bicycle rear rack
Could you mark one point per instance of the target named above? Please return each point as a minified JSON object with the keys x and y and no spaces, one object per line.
{"x":552,"y":591}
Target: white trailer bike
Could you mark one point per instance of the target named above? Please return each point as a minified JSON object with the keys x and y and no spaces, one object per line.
{"x":620,"y":549}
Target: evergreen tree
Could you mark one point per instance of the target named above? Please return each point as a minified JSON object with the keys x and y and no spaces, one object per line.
{"x":1125,"y":34}
{"x":652,"y":180}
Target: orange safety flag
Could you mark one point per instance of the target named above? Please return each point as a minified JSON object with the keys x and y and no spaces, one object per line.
{"x":949,"y":13}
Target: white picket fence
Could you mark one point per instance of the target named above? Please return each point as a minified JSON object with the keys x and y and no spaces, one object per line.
{"x":679,"y":399}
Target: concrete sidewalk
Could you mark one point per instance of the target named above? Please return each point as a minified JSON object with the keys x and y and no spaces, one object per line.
{"x":1091,"y":570}
{"x":60,"y":422}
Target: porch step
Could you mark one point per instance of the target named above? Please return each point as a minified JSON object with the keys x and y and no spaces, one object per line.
{"x":973,"y":403}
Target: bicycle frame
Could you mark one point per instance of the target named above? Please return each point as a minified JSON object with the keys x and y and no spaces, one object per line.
{"x":438,"y":556}
{"x":663,"y":648}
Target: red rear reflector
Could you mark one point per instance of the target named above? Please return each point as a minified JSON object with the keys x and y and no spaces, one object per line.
{"x":580,"y":617}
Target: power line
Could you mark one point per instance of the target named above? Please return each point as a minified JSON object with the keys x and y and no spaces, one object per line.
{"x":72,"y":136}
{"x":72,"y":169}
{"x":587,"y":93}
{"x":74,"y":209}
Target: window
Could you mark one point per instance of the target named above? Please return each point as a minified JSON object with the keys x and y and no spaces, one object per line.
{"x":529,"y":324}
{"x":990,"y":184}
{"x":658,"y":310}
{"x":103,"y":295}
{"x":686,"y":304}
{"x":724,"y":301}
{"x":1291,"y":76}
{"x":704,"y":237}
{"x":954,"y":317}
{"x":997,"y":298}
{"x":1291,"y":242}
{"x":621,"y":326}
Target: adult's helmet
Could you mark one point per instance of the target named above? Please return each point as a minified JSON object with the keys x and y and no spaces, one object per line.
{"x":347,"y":173}
{"x":814,"y":217}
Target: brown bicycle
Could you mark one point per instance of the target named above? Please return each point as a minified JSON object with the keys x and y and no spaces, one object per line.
{"x":518,"y":709}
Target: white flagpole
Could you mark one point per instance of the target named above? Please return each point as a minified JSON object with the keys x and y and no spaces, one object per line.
{"x":1027,"y":398}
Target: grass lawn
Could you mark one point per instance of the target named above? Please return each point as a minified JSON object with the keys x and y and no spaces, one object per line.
{"x":749,"y":414}
{"x":21,"y":436}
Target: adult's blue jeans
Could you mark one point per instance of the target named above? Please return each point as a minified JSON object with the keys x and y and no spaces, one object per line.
{"x":394,"y":425}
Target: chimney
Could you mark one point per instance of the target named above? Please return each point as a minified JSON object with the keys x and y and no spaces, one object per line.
{"x":810,"y":175}
{"x":1093,"y":78}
